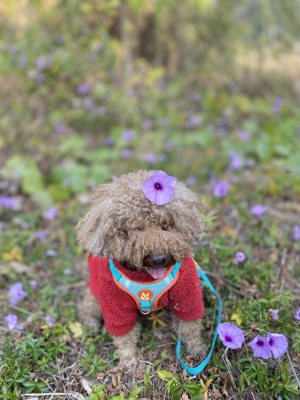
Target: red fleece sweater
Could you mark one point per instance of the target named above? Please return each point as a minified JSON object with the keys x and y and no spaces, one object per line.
{"x":119,"y":309}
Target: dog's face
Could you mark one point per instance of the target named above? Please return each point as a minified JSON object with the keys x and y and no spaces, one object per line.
{"x":123,"y":224}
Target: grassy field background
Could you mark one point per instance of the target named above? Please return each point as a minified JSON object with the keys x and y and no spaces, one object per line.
{"x":80,"y":103}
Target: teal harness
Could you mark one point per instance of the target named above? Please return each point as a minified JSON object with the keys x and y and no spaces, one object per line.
{"x":147,"y":294}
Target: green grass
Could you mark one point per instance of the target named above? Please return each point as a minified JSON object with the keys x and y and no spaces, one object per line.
{"x":54,"y":152}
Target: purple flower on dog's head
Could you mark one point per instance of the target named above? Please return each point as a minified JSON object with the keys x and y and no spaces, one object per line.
{"x":278,"y":344}
{"x":159,"y":188}
{"x":261,"y":347}
{"x":16,"y":293}
{"x":231,"y":336}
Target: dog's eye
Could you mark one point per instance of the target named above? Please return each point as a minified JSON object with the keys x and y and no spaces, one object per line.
{"x":164,"y":227}
{"x":140,"y":228}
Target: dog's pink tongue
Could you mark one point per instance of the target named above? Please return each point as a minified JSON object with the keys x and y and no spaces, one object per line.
{"x":157,"y":273}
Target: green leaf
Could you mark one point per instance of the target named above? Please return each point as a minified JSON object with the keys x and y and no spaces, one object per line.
{"x":292,"y":387}
{"x":59,"y":192}
{"x":43,"y":199}
{"x":165,"y":375}
{"x":72,"y":174}
{"x":32,"y":178}
{"x":120,"y":397}
{"x":134,"y":394}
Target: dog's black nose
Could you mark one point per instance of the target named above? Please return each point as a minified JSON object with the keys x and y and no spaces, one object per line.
{"x":157,"y":260}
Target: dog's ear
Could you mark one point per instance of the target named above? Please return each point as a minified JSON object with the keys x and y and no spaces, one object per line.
{"x":95,"y":228}
{"x":188,"y":213}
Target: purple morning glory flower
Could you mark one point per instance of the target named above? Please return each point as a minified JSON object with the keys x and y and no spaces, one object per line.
{"x":50,"y":214}
{"x":68,"y":271}
{"x":50,"y":321}
{"x":245,"y":136}
{"x":42,"y":235}
{"x":83,"y":89}
{"x":101,"y":110}
{"x":43,"y":62}
{"x":16,"y":293}
{"x":126,"y":154}
{"x":168,"y":145}
{"x":274,"y":314}
{"x":230,"y":335}
{"x":297,"y":315}
{"x":296,"y":232}
{"x":276,"y":106}
{"x":9,"y":202}
{"x":12,"y":322}
{"x":109,"y":142}
{"x":128,"y":135}
{"x":240,"y":256}
{"x":250,"y":163}
{"x":191,"y":181}
{"x":221,"y":188}
{"x":159,"y":188}
{"x":260,"y":347}
{"x":278,"y":344}
{"x":147,"y":124}
{"x":51,"y":253}
{"x":192,"y":121}
{"x":33,"y":284}
{"x":195,"y":97}
{"x":257,"y":210}
{"x":89,"y":103}
{"x":164,"y":122}
{"x":60,"y":128}
{"x":236,"y":161}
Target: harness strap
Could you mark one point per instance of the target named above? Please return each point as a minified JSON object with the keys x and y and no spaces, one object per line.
{"x":200,"y":367}
{"x":146,"y":295}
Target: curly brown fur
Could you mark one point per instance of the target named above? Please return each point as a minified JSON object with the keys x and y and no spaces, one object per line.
{"x":126,"y":347}
{"x":123,"y":224}
{"x":189,"y":332}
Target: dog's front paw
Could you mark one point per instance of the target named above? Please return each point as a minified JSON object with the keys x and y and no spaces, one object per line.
{"x":196,"y":349}
{"x":128,"y":360}
{"x":89,"y":311}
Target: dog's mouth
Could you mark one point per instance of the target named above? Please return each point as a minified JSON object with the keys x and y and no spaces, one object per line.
{"x":157,"y":272}
{"x":157,"y":265}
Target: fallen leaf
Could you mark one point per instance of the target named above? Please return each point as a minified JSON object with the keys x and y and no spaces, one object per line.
{"x":76,"y":329}
{"x":236,"y":317}
{"x":229,"y":231}
{"x":15,"y":254}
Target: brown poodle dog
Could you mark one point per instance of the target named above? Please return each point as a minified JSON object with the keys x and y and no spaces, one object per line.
{"x":141,"y":237}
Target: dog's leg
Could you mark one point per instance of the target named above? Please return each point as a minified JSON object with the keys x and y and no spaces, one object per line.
{"x":126,"y":347}
{"x":189,"y":332}
{"x":89,"y":312}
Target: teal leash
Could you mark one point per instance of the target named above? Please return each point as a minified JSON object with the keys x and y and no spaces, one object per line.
{"x":200,"y":367}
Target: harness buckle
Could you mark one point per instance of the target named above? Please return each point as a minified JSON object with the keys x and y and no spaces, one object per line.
{"x":144,"y":312}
